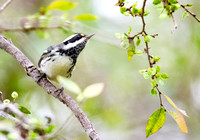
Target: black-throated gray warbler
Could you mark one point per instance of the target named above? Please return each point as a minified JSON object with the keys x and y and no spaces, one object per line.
{"x":60,"y":59}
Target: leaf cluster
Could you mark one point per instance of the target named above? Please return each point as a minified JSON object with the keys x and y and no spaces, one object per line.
{"x":131,"y":42}
{"x":45,"y":16}
{"x":34,"y":128}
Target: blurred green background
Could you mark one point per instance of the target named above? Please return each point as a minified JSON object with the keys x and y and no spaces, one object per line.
{"x":122,"y":110}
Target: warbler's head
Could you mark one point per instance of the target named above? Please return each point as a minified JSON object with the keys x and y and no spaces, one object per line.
{"x":76,"y":41}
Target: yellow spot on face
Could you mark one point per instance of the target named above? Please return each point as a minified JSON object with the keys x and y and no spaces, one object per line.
{"x":82,"y":35}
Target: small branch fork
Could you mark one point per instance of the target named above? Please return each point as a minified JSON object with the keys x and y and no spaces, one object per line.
{"x":42,"y":81}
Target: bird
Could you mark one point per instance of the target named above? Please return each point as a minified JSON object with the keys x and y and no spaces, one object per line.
{"x":60,"y":59}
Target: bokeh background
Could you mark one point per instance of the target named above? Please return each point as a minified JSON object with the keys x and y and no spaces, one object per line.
{"x":122,"y":110}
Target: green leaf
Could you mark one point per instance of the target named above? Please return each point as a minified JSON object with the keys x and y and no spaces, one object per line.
{"x":123,"y":10}
{"x":189,"y":5}
{"x":138,"y":42}
{"x":148,"y":38}
{"x":172,"y":1}
{"x":156,"y":58}
{"x":118,"y":35}
{"x":153,"y":91}
{"x":161,"y":82}
{"x":158,"y":69}
{"x":117,"y":4}
{"x":69,"y":85}
{"x":184,"y":15}
{"x":135,"y":11}
{"x":42,"y":34}
{"x":155,"y":122}
{"x":122,"y":0}
{"x":125,"y":42}
{"x":130,"y":53}
{"x":175,"y":7}
{"x":139,"y":52}
{"x":24,"y":110}
{"x":142,"y":71}
{"x":146,"y":12}
{"x":146,"y":75}
{"x":151,"y":71}
{"x":49,"y":129}
{"x":174,"y":105}
{"x":140,"y":11}
{"x":135,"y":4}
{"x":156,"y":2}
{"x":93,"y":90}
{"x":33,"y":135}
{"x":85,"y":17}
{"x":164,"y":76}
{"x":153,"y":82}
{"x":126,"y":34}
{"x":160,"y":6}
{"x":129,"y":29}
{"x":131,"y":50}
{"x":163,"y":14}
{"x":158,"y":77}
{"x":179,"y":120}
{"x":61,"y":5}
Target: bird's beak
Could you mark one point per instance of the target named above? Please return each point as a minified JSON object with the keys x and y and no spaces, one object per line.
{"x":89,"y":36}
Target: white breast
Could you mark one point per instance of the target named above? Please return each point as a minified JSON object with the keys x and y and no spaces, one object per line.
{"x":58,"y":65}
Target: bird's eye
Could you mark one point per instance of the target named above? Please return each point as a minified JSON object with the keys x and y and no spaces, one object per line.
{"x":82,"y":35}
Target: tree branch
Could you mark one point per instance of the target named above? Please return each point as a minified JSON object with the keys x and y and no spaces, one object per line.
{"x":192,"y":14}
{"x":27,"y":24}
{"x":144,"y":31}
{"x":42,"y":81}
{"x":5,"y":108}
{"x":3,"y":7}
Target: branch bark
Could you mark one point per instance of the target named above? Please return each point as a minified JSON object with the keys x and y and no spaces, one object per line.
{"x":42,"y":81}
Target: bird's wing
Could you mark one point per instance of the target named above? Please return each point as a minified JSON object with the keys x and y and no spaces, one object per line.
{"x":49,"y":51}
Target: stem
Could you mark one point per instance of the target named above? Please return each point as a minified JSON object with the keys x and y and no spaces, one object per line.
{"x":161,"y":104}
{"x":144,"y":31}
{"x":192,"y":14}
{"x":142,"y":16}
{"x":174,"y":21}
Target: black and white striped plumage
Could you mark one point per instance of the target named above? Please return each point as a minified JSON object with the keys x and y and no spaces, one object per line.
{"x":60,"y":59}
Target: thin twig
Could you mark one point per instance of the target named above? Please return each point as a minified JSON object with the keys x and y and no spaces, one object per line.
{"x":161,"y":104}
{"x":67,"y":121}
{"x":192,"y":14}
{"x":147,"y":48}
{"x":27,"y":24}
{"x":144,"y":31}
{"x":42,"y":81}
{"x":142,"y":16}
{"x":64,"y":124}
{"x":3,"y":7}
{"x":174,"y":21}
{"x":13,"y":109}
